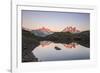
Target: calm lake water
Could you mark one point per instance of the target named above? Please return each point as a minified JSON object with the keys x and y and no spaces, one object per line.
{"x":49,"y":53}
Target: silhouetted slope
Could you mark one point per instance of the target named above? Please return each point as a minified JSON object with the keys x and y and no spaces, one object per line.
{"x":83,"y":38}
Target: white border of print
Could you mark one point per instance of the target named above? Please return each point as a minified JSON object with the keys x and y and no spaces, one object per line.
{"x":18,"y":66}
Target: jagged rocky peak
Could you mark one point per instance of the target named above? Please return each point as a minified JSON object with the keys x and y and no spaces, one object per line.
{"x":72,"y":29}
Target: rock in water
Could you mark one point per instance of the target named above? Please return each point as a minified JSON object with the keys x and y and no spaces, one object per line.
{"x":57,"y":48}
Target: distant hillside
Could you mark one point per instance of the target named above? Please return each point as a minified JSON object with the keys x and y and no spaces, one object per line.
{"x":60,"y":37}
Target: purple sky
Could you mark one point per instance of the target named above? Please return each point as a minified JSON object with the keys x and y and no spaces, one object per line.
{"x":55,"y":21}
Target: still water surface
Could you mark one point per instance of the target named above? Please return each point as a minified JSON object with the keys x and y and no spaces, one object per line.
{"x":49,"y":53}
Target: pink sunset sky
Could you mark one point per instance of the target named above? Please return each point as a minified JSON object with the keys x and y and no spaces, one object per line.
{"x":55,"y":21}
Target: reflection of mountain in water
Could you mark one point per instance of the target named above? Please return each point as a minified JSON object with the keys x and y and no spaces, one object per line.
{"x":30,"y":40}
{"x":49,"y":53}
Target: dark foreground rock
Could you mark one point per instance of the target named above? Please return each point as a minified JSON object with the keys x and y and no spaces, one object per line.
{"x":28,"y":45}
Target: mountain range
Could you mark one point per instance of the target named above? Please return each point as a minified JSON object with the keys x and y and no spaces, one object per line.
{"x":43,"y":32}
